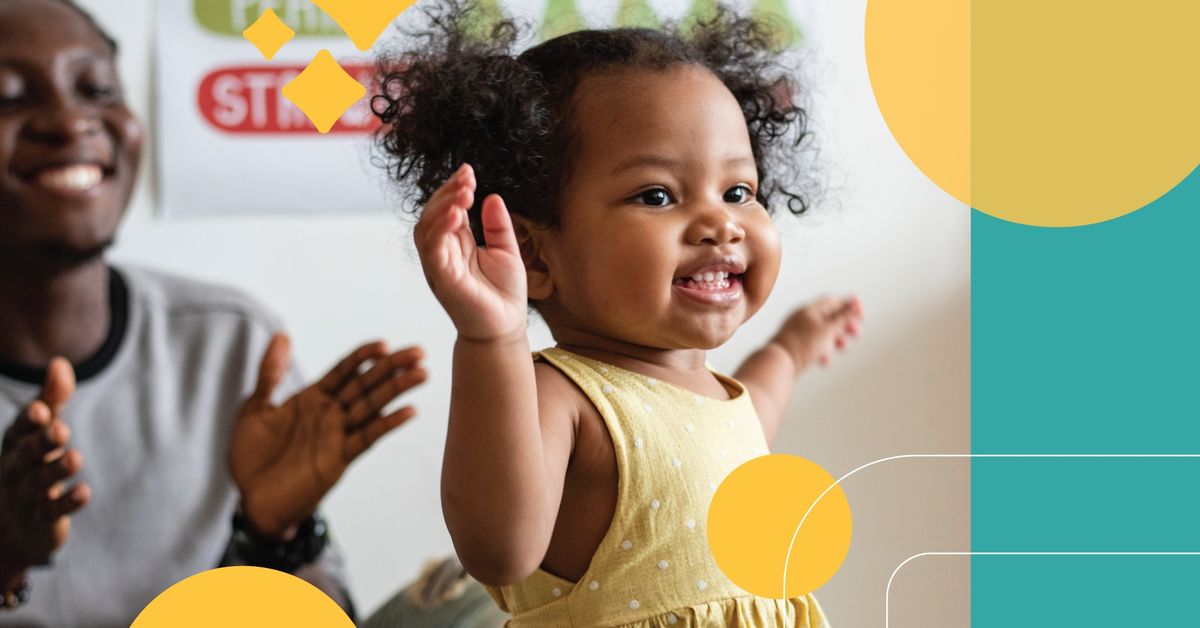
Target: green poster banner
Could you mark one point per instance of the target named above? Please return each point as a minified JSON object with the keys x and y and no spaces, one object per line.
{"x":231,"y":17}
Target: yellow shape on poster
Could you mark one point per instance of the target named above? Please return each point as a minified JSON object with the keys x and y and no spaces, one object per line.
{"x":1043,"y":113}
{"x":242,"y":597}
{"x":324,"y":91}
{"x":268,"y":33}
{"x":779,"y":526}
{"x":364,"y":21}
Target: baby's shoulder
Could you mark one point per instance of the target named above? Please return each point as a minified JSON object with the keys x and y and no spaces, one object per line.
{"x":561,"y":401}
{"x":557,"y":394}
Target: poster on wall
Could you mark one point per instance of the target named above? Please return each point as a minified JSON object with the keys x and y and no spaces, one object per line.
{"x":230,"y":143}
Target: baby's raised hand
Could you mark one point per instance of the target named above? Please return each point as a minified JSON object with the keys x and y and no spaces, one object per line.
{"x":482,"y":288}
{"x":813,"y":332}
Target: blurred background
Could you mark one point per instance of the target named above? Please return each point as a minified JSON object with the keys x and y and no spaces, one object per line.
{"x":339,"y":275}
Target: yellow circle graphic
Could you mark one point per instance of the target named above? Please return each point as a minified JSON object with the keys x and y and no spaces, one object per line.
{"x":235,"y":597}
{"x":1043,"y":113}
{"x":779,"y":526}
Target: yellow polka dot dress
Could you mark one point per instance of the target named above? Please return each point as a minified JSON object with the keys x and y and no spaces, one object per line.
{"x":654,"y":568}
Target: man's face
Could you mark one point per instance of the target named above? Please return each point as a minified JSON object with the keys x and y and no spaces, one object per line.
{"x":69,"y":146}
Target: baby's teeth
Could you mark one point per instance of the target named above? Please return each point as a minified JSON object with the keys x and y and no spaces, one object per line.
{"x":717,"y":279}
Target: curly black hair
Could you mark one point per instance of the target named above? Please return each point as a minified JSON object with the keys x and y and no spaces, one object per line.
{"x":459,"y":93}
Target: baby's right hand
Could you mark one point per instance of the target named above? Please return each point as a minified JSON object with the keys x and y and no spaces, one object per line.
{"x":482,"y":289}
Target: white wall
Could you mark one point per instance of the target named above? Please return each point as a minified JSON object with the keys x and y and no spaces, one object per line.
{"x":885,"y":233}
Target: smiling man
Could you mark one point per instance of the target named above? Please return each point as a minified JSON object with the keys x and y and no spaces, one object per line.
{"x":129,"y":442}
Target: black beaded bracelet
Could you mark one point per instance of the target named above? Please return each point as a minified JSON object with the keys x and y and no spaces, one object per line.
{"x":257,"y":550}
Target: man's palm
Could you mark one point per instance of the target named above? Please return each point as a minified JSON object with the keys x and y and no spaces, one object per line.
{"x":285,"y":458}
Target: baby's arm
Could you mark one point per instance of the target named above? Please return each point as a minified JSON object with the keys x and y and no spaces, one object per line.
{"x":809,"y":336}
{"x":506,"y":458}
{"x":506,"y":449}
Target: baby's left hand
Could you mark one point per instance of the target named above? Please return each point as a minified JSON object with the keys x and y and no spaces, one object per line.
{"x":813,"y":332}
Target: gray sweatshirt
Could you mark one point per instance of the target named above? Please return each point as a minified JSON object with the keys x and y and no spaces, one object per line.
{"x":152,"y":415}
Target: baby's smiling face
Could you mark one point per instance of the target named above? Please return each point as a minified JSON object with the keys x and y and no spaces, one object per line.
{"x":661,"y":241}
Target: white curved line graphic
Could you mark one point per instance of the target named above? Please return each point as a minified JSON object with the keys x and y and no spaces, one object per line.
{"x":887,"y":595}
{"x":788,"y":556}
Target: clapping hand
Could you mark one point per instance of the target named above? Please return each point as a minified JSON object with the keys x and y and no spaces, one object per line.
{"x":285,"y":458}
{"x":35,"y":464}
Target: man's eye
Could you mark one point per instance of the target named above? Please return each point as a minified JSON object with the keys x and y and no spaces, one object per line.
{"x":657,"y":197}
{"x":98,"y":92}
{"x":11,"y":92}
{"x":739,"y":194}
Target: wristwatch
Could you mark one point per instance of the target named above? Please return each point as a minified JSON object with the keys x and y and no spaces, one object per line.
{"x":253,"y":548}
{"x":16,"y":596}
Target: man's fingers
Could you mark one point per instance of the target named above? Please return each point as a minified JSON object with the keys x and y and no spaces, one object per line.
{"x":400,"y":360}
{"x":68,"y":502}
{"x":59,"y":385}
{"x":349,"y":366}
{"x":361,"y":439}
{"x":31,"y":449}
{"x":383,"y":394}
{"x":272,"y":368}
{"x":47,"y":475}
{"x":36,"y":416}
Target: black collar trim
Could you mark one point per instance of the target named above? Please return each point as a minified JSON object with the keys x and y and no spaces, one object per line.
{"x":118,"y":305}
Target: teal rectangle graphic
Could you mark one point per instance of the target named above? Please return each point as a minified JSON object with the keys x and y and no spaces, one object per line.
{"x":1086,"y":340}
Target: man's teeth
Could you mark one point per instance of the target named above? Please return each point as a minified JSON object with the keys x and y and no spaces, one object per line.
{"x":77,"y":178}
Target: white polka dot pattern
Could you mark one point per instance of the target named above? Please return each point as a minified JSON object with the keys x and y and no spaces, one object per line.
{"x":655,"y":543}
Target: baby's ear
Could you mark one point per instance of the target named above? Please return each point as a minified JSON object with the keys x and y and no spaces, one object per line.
{"x":531,"y":239}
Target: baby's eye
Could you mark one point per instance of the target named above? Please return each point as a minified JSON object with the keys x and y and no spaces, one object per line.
{"x":739,"y":194}
{"x":657,"y":197}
